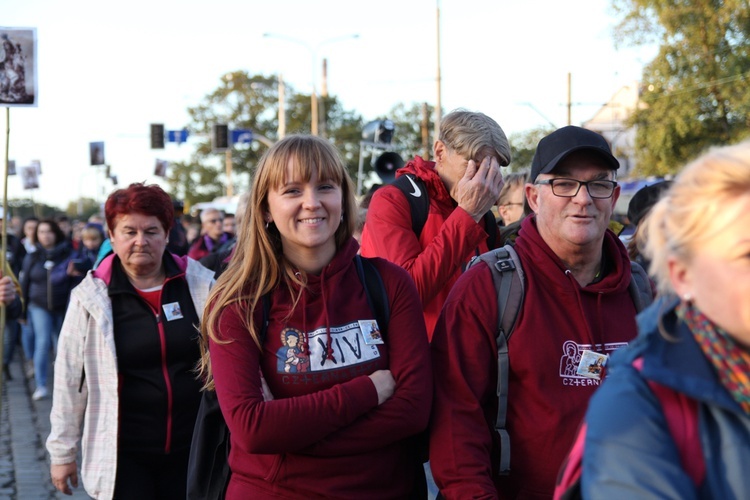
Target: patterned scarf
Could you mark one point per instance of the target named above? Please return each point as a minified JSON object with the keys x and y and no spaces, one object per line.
{"x":731,"y":361}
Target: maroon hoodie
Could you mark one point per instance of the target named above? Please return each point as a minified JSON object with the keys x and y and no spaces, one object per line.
{"x":324,"y":434}
{"x":449,"y":239}
{"x":546,"y":398}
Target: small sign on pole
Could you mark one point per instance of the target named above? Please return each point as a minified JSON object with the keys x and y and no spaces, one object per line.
{"x":178,"y":136}
{"x":18,"y":75}
{"x":96,"y":152}
{"x":242,"y":136}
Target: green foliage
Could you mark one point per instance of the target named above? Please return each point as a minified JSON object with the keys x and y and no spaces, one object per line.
{"x":26,"y":207}
{"x":252,"y":102}
{"x":83,"y":208}
{"x":523,"y":146}
{"x":695,"y":93}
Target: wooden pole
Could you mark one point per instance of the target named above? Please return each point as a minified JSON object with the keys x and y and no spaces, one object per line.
{"x":4,"y":245}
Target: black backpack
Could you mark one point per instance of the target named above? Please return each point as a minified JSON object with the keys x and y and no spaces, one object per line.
{"x":415,"y":191}
{"x":208,"y":466}
{"x":509,"y":280}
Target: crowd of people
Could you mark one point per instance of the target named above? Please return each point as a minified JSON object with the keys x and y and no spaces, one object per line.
{"x":496,"y":337}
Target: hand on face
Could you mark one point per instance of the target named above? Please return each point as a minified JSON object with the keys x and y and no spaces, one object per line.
{"x":478,"y":190}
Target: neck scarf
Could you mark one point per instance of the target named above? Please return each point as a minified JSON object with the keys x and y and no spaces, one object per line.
{"x":731,"y":361}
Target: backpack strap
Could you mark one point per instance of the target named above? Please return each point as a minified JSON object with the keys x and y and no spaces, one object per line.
{"x":490,"y":227}
{"x":377,"y":298}
{"x":508,"y":278}
{"x":681,"y":413}
{"x":640,"y":287}
{"x":415,"y":192}
{"x":266,"y":300}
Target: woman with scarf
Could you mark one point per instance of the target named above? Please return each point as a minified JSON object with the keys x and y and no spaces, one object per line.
{"x":693,"y":350}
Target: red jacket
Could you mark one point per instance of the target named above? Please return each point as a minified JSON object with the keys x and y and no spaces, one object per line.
{"x":546,"y":398}
{"x":449,"y":239}
{"x":324,"y":434}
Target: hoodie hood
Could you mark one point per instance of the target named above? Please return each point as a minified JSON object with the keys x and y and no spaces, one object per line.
{"x":616,"y":261}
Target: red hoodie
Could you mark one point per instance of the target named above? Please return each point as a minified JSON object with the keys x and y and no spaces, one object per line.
{"x":546,"y":398}
{"x":449,"y":239}
{"x":324,"y":434}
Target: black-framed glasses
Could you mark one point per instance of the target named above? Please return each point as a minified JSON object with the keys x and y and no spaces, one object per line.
{"x":568,"y":188}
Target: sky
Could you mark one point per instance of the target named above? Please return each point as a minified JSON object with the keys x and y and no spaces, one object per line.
{"x":108,"y":70}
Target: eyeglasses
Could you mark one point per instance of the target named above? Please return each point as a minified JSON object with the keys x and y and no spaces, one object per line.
{"x":213,"y":221}
{"x":568,"y":188}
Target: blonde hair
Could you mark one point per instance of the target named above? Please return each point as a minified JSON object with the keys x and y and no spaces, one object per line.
{"x":700,"y":205}
{"x":467,"y":132}
{"x":258,"y":265}
{"x":512,"y":181}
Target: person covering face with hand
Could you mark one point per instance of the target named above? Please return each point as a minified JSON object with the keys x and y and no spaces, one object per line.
{"x":462,"y":183}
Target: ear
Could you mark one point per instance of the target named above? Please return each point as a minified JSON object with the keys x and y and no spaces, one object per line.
{"x":615,"y":196}
{"x":267,"y":217}
{"x":680,"y":277}
{"x":502,"y":211}
{"x":532,"y":195}
{"x":439,"y":150}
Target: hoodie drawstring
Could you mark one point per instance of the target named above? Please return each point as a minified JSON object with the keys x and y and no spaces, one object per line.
{"x":329,"y":340}
{"x":597,"y":347}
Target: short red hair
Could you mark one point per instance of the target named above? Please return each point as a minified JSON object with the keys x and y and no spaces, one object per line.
{"x":143,"y":199}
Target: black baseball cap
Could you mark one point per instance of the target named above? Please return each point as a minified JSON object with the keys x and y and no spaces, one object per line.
{"x":645,"y":198}
{"x":555,"y":147}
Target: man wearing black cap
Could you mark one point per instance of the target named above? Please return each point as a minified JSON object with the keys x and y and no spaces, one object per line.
{"x":577,"y":309}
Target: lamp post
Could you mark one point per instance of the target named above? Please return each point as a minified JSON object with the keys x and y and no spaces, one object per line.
{"x":313,"y":54}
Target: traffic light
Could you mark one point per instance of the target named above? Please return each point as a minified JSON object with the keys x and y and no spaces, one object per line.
{"x":157,"y":136}
{"x":220,"y":138}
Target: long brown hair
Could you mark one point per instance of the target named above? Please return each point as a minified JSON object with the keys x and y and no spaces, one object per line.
{"x":258,"y":265}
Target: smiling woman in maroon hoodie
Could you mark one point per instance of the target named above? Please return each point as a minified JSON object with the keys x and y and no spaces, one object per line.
{"x":319,"y":407}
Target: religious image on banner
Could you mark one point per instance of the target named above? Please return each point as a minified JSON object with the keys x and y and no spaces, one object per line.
{"x":96,"y":151}
{"x":37,"y":165}
{"x":11,"y":167}
{"x":18,"y":55}
{"x":160,"y":170}
{"x":29,"y":177}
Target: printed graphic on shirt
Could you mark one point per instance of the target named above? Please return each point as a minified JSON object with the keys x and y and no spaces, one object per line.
{"x":291,"y":355}
{"x":172,"y":311}
{"x":371,"y":331}
{"x":307,"y":353}
{"x":571,"y":359}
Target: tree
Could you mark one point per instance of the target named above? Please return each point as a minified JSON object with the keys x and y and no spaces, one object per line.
{"x":83,"y":208}
{"x":251,"y":102}
{"x":695,"y":92}
{"x":26,"y":207}
{"x":523,"y":146}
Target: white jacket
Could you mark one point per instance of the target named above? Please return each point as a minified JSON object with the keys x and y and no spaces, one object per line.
{"x":87,"y":345}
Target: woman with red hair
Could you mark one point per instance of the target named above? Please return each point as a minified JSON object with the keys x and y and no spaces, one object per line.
{"x":124,"y":384}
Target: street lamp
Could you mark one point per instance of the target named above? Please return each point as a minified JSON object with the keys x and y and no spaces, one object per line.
{"x":313,"y":54}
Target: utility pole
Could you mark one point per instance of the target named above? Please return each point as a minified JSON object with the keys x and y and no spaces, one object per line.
{"x":570,"y":102}
{"x":282,"y":108}
{"x":438,"y":103}
{"x":323,"y":96}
